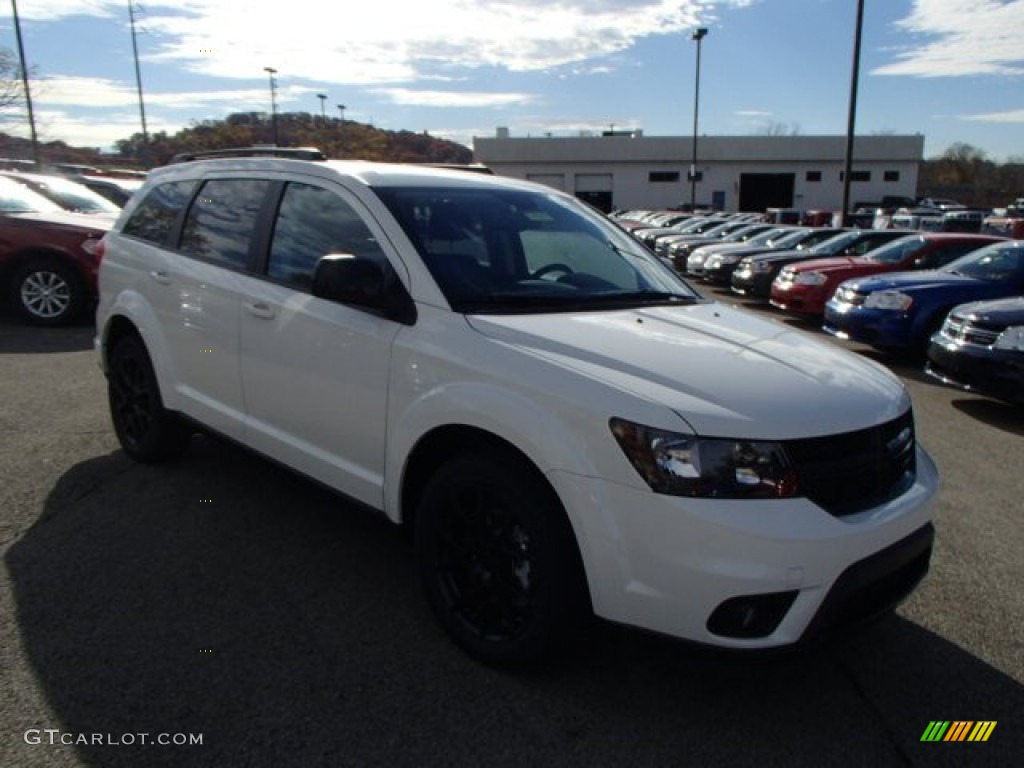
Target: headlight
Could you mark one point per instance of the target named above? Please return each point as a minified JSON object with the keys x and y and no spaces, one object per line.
{"x":1012,"y":338}
{"x":728,"y":258}
{"x":685,"y":465}
{"x":761,"y":267}
{"x":888,"y":300}
{"x":712,"y":262}
{"x":810,"y":278}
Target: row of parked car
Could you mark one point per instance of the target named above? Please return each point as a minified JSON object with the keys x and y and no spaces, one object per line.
{"x":955,"y":298}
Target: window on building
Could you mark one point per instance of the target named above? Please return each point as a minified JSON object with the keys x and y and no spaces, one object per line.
{"x":663,"y":176}
{"x":856,"y":175}
{"x":891,"y":176}
{"x":813,"y":176}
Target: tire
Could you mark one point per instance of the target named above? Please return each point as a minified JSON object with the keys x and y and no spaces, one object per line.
{"x":498,"y":560}
{"x":48,"y":293}
{"x":147,"y":431}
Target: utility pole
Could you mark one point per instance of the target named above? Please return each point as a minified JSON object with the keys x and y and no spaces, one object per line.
{"x":24,"y":80}
{"x":138,"y":85}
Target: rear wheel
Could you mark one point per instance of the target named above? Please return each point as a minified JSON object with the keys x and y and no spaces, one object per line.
{"x":498,"y":560}
{"x":47,"y":292}
{"x":147,"y":431}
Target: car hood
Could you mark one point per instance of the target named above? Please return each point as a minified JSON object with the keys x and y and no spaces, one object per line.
{"x":100,"y":222}
{"x":998,"y":312}
{"x":781,"y":256}
{"x":726,"y":372}
{"x":915,"y":281}
{"x":844,"y":265}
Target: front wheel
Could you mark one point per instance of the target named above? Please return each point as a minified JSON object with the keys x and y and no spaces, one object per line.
{"x":498,"y":560}
{"x":147,"y":431}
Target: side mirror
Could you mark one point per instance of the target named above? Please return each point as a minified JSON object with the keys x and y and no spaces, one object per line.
{"x":360,"y":282}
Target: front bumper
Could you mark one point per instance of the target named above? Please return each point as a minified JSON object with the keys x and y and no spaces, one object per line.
{"x":882,"y":328}
{"x":752,"y":283}
{"x":995,"y":372}
{"x":668,"y":564}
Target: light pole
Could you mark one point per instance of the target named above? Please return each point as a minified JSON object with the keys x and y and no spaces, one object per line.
{"x":323,"y":110}
{"x":24,"y":81}
{"x":273,"y":100}
{"x":341,"y":109}
{"x":698,"y":34}
{"x":852,"y":115}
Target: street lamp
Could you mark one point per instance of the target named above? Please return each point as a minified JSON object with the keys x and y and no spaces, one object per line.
{"x":341,"y":109}
{"x":698,"y":34}
{"x":323,"y":111}
{"x":273,"y":100}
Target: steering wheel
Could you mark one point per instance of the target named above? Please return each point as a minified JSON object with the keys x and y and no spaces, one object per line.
{"x":547,"y":269}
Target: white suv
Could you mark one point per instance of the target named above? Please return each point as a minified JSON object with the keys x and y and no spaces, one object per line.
{"x":567,"y":427}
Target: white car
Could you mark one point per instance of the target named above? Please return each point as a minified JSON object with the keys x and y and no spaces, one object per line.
{"x":567,"y":427}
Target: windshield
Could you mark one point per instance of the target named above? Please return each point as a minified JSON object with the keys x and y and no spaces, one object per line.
{"x":496,"y":250}
{"x":835,"y":245}
{"x":997,"y":263}
{"x":896,"y":251}
{"x":16,"y":198}
{"x":70,"y":195}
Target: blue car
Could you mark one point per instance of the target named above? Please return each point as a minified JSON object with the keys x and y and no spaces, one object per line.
{"x":901,"y":310}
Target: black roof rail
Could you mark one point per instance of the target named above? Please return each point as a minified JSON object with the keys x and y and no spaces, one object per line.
{"x":293,"y":153}
{"x":472,"y":167}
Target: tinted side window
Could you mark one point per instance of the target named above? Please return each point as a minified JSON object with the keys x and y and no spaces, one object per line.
{"x":312,"y":222}
{"x":222,"y":219}
{"x":155,"y":216}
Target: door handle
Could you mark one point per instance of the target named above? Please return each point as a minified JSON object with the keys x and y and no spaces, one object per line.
{"x":160,"y":276}
{"x":259,"y":309}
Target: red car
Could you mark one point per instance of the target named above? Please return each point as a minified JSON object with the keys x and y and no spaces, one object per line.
{"x":805,"y":287}
{"x":48,"y":256}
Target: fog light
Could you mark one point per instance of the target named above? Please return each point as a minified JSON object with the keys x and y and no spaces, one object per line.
{"x":751,"y":615}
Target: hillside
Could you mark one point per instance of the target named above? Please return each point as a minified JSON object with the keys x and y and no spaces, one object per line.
{"x":337,"y":139}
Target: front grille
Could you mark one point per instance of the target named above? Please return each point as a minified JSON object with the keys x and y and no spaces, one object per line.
{"x":966,"y":331}
{"x":848,"y":473}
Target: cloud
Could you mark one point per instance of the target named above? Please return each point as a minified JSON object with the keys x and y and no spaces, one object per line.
{"x":415,"y":98}
{"x":388,"y":41}
{"x":1012,"y":116}
{"x":753,"y":113}
{"x":961,"y":37}
{"x":71,"y":91}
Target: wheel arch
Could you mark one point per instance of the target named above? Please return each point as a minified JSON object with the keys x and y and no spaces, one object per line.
{"x":440,"y":444}
{"x":19,"y":259}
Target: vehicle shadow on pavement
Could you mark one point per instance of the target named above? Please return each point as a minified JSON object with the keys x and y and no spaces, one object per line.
{"x":226,"y":597}
{"x":1004,"y":416}
{"x":19,"y":338}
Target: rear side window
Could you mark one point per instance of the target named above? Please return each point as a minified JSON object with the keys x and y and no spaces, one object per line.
{"x":221,"y":222}
{"x":154,"y":218}
{"x":311,"y":223}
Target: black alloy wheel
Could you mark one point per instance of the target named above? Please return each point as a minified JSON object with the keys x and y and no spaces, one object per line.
{"x":498,"y":560}
{"x":146,"y":430}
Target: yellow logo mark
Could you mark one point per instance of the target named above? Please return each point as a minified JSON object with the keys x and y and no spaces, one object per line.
{"x":206,"y":650}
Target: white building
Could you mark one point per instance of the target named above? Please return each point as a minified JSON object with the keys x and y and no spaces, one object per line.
{"x":747,"y":173}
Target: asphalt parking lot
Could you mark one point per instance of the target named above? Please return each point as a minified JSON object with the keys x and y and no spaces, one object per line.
{"x":226,"y":598}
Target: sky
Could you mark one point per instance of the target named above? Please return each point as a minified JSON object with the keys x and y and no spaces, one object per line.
{"x":952,"y":70}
